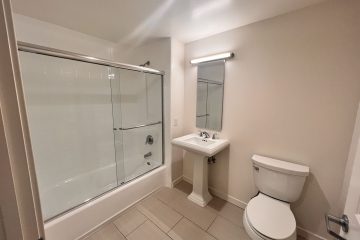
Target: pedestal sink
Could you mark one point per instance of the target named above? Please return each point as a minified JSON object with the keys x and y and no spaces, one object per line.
{"x":200,"y":149}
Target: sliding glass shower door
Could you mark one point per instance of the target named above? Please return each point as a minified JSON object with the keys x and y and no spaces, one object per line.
{"x":137,"y":111}
{"x":92,"y":127}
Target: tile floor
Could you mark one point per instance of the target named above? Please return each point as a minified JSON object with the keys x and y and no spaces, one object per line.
{"x":168,"y":215}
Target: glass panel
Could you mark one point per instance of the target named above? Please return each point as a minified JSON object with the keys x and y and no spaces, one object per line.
{"x":154,"y":98}
{"x":201,"y":110}
{"x":92,"y":127}
{"x":140,"y":124}
{"x":210,"y":89}
{"x":118,"y":135}
{"x":214,"y":106}
{"x":70,"y":117}
{"x":142,"y":150}
{"x":133,"y":99}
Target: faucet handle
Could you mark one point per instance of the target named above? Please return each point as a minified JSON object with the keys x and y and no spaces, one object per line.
{"x":214,"y":136}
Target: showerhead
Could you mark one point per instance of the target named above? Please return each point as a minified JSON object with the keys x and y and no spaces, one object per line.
{"x":146,"y":64}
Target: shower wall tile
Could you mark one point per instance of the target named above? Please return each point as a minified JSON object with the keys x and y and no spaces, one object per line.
{"x":71,"y":128}
{"x":135,"y":147}
{"x":154,"y":94}
{"x":133,"y":98}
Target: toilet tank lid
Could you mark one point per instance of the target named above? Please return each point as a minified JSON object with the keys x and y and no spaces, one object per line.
{"x":281,"y":166}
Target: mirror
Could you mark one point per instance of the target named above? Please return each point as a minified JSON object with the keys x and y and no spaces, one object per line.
{"x":210,"y":90}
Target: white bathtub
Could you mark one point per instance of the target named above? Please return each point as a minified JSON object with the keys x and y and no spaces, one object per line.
{"x":81,"y":220}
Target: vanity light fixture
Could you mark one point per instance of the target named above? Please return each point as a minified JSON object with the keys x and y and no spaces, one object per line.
{"x":220,"y":56}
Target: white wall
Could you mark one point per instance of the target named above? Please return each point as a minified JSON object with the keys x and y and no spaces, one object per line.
{"x":34,"y":31}
{"x":291,"y":92}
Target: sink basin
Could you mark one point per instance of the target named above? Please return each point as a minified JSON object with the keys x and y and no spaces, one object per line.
{"x":199,"y":149}
{"x":204,"y":146}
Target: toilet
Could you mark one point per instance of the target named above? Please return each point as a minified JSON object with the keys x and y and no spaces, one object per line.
{"x":268,"y":215}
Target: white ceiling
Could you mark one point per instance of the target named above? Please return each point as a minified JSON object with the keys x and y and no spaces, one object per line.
{"x":137,"y":20}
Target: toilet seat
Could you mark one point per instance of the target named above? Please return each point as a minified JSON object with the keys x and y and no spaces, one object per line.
{"x":271,"y":218}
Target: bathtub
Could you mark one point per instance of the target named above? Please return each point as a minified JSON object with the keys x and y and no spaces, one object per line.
{"x":83,"y":219}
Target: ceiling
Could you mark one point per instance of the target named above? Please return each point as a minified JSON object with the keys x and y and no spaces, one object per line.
{"x":136,"y":20}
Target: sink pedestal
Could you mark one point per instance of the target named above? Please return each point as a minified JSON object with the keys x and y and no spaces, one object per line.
{"x":200,"y":194}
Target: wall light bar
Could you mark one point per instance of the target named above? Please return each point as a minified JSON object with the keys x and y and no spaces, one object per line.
{"x":221,"y":56}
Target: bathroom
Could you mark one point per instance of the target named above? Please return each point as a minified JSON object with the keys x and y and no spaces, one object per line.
{"x":160,"y":115}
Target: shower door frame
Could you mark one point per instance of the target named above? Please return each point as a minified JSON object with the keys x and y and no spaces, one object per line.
{"x":52,"y":52}
{"x":20,"y":210}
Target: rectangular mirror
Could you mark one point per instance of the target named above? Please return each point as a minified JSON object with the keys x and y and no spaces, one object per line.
{"x":210,"y":90}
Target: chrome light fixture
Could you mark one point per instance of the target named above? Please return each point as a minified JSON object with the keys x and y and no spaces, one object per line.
{"x":220,"y":56}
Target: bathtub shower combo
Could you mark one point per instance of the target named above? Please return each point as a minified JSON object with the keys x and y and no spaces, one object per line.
{"x":94,"y":124}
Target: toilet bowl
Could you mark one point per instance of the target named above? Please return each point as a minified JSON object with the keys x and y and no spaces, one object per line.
{"x":268,"y":215}
{"x":268,"y":218}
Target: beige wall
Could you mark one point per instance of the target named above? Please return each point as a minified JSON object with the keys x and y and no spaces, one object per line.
{"x":177,"y":105}
{"x":291,"y":92}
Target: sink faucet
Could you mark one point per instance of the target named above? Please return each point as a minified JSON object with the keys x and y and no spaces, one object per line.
{"x":204,"y":134}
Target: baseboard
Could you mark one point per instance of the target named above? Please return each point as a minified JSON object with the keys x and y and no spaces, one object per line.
{"x":221,"y":194}
{"x":176,"y":181}
{"x":308,"y":234}
{"x":216,"y":192}
{"x":187,"y":179}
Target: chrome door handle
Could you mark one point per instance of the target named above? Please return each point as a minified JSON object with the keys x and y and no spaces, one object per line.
{"x":343,"y":222}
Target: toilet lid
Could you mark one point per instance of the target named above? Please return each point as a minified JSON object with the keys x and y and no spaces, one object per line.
{"x":270,"y":217}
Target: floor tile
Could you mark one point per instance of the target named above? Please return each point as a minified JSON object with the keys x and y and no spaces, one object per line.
{"x":168,"y":195}
{"x":223,"y":229}
{"x":184,"y":187}
{"x":227,"y":210}
{"x":202,"y":216}
{"x":108,"y":232}
{"x":159,"y":213}
{"x":148,"y":231}
{"x":186,"y":230}
{"x":129,"y":221}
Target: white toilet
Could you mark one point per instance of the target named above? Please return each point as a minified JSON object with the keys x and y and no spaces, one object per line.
{"x":268,"y":215}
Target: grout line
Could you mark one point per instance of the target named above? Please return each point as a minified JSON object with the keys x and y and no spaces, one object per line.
{"x":176,"y":223}
{"x":117,"y":229}
{"x":166,"y":233}
{"x":136,"y":228}
{"x":200,"y":227}
{"x":183,"y":214}
{"x":211,"y":235}
{"x":212,"y":222}
{"x":160,"y":228}
{"x":174,"y":227}
{"x":156,"y":217}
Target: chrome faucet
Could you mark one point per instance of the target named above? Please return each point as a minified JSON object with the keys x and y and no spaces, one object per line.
{"x":204,"y":134}
{"x":214,"y":136}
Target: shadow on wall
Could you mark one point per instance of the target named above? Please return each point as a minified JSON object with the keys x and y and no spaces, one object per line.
{"x":311,"y":198}
{"x":220,"y":170}
{"x":177,"y":162}
{"x":2,"y":227}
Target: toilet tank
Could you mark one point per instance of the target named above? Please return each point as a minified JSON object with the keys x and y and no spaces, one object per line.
{"x":279,"y":179}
